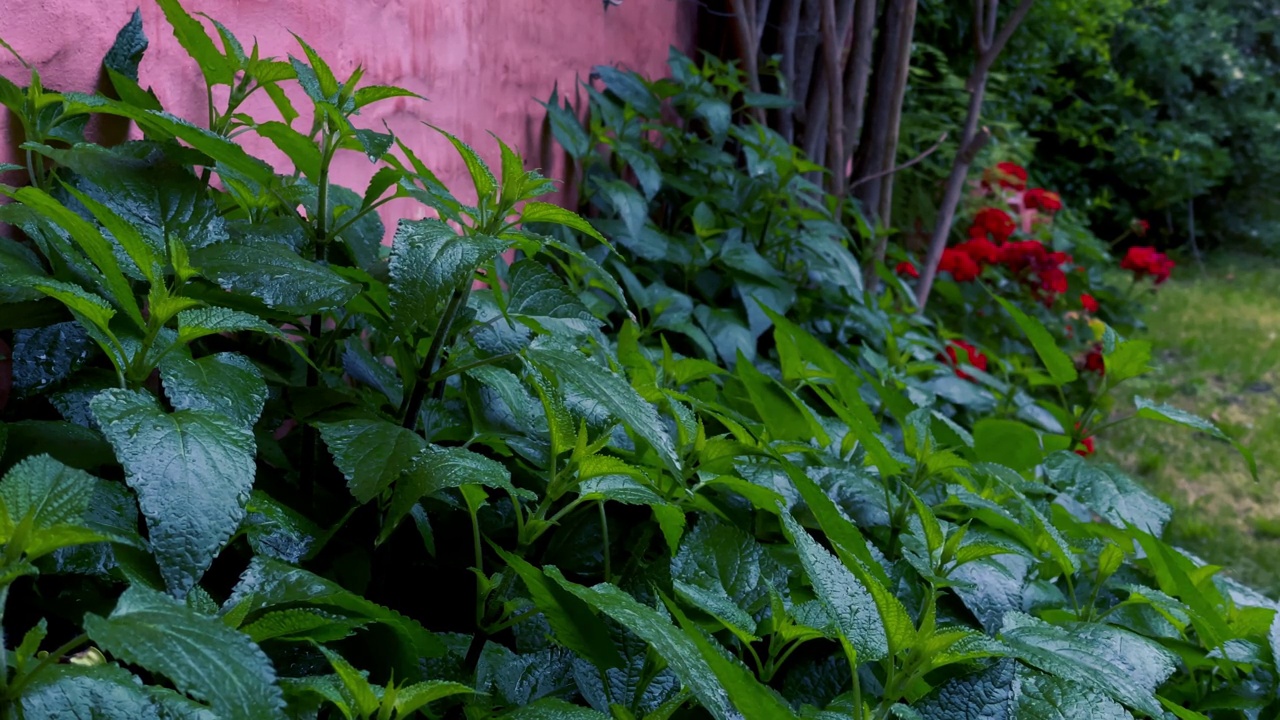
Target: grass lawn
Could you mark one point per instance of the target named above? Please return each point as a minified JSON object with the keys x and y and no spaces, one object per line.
{"x":1216,"y":342}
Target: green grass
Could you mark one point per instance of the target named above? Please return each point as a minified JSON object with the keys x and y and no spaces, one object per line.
{"x":1216,"y":340}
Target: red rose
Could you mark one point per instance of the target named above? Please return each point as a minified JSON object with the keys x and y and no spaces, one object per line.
{"x":1145,"y":260}
{"x":982,"y":250}
{"x":1140,"y":227}
{"x":972,"y":357}
{"x":992,"y":223}
{"x":1007,"y":175}
{"x":1086,"y":447}
{"x":1053,"y":282}
{"x":1041,"y":199}
{"x":1094,"y":362}
{"x":906,"y":269}
{"x":1088,"y":302}
{"x":1018,"y":256}
{"x":960,"y":265}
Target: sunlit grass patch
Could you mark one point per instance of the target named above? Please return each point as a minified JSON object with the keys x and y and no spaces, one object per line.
{"x":1217,"y":347}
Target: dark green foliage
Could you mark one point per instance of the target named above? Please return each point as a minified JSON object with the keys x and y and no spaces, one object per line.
{"x":258,"y":466}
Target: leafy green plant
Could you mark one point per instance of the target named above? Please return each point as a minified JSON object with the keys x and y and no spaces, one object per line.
{"x":257,"y":464}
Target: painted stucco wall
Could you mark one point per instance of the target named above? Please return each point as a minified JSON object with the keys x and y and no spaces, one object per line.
{"x":483,"y":64}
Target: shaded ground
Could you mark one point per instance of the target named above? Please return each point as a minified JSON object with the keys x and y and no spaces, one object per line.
{"x":1217,"y":351}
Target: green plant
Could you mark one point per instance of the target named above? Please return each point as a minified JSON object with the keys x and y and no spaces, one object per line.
{"x":257,"y":465}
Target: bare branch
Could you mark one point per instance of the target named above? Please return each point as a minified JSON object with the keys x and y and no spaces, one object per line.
{"x":913,"y":161}
{"x":988,"y":57}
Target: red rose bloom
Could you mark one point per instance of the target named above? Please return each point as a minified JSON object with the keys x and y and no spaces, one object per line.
{"x":992,"y":223}
{"x":960,"y":265}
{"x":1018,"y":256}
{"x":906,"y":269}
{"x":1145,"y":260}
{"x":1086,"y":447}
{"x":982,"y":250}
{"x":1041,"y":199}
{"x":1094,"y":362}
{"x":1088,"y":302}
{"x":1007,"y":175}
{"x":1053,"y":282}
{"x":972,"y":357}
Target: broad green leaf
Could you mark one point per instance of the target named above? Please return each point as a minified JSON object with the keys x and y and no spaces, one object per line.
{"x":200,"y":655}
{"x":631,"y":88}
{"x":554,"y":709}
{"x":1107,"y":491}
{"x":192,"y":470}
{"x":784,"y":416}
{"x":372,"y":454}
{"x":429,"y":262}
{"x":299,"y":148}
{"x":274,"y":274}
{"x":328,"y":84}
{"x":613,"y":392}
{"x":200,"y":322}
{"x":627,"y":202}
{"x":17,"y":261}
{"x":269,"y":583}
{"x":355,"y":682}
{"x":215,"y":66}
{"x":575,"y":625}
{"x":47,"y":492}
{"x":541,"y":300}
{"x":106,"y":692}
{"x":411,"y":698}
{"x":1046,"y":697}
{"x":1117,"y":662}
{"x":724,"y":572}
{"x":90,"y":240}
{"x":434,"y":468}
{"x":566,"y":128}
{"x":1060,"y":366}
{"x":675,"y":647}
{"x":752,"y":699}
{"x":987,"y":695}
{"x":1007,"y":442}
{"x":124,"y":233}
{"x":277,"y":531}
{"x":370,"y":94}
{"x":481,"y":177}
{"x":1176,"y":416}
{"x":226,"y":153}
{"x":226,"y":383}
{"x":1201,"y":597}
{"x":301,"y":624}
{"x":125,"y":53}
{"x":540,"y":212}
{"x":847,"y":601}
{"x":1129,"y":360}
{"x":855,"y":553}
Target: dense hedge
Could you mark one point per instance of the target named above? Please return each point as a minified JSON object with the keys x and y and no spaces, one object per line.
{"x":673,"y":462}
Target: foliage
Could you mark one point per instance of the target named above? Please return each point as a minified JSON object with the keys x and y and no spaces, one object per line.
{"x":262,"y":466}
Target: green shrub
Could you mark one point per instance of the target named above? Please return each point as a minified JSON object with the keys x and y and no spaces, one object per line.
{"x":258,"y":465}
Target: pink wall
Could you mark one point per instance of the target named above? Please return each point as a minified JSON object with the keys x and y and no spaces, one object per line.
{"x":483,"y":64}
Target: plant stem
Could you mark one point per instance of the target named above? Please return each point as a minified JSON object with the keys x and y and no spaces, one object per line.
{"x":308,"y":460}
{"x":409,"y":416}
{"x":604,"y":531}
{"x":15,"y":690}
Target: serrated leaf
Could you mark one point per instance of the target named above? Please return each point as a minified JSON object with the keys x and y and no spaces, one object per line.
{"x":612,"y":392}
{"x":226,"y":383}
{"x":298,"y":624}
{"x":575,"y":626}
{"x":672,"y":645}
{"x":725,"y":572}
{"x":328,"y":84}
{"x":540,"y":212}
{"x":1060,"y":366}
{"x":47,"y":492}
{"x":436,"y":468}
{"x":987,"y":695}
{"x":481,"y":177}
{"x":749,"y":696}
{"x":1176,"y":416}
{"x":126,"y":52}
{"x":845,"y":599}
{"x":372,"y":454}
{"x":370,"y":94}
{"x":276,"y":275}
{"x":1125,"y":666}
{"x":200,"y":322}
{"x":200,"y":655}
{"x":107,"y":692}
{"x":1046,"y":697}
{"x":1107,"y":491}
{"x":429,"y":261}
{"x":631,"y":88}
{"x":554,"y":709}
{"x":410,"y":698}
{"x":1128,"y":360}
{"x":1008,"y":442}
{"x":542,"y":301}
{"x":629,"y":204}
{"x":566,"y":128}
{"x":192,"y":471}
{"x":784,"y":416}
{"x":269,"y":583}
{"x":299,"y":148}
{"x":215,"y":66}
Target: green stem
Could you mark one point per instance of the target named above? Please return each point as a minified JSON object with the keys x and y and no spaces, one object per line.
{"x":307,"y":464}
{"x":15,"y":690}
{"x":604,"y":531}
{"x":409,"y":414}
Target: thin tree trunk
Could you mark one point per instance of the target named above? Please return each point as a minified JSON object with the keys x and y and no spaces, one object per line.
{"x":817,"y":136}
{"x":990,"y":44}
{"x":745,"y":33}
{"x":790,"y":26}
{"x":895,"y":116}
{"x":857,"y":75}
{"x":806,"y":53}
